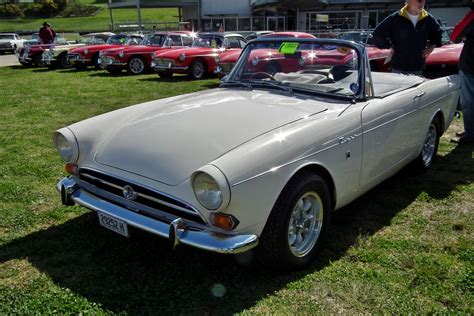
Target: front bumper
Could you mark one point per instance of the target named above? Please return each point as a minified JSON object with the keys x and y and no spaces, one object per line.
{"x":177,"y":232}
{"x":105,"y":61}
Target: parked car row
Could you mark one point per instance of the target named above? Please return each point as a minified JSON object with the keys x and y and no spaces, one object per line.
{"x":197,"y":55}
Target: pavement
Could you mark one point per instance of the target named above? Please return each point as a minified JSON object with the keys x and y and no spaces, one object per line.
{"x":8,"y":60}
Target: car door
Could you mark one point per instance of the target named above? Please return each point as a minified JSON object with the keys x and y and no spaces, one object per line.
{"x":389,"y":134}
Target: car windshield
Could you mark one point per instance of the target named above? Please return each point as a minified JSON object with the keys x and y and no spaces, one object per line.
{"x":309,"y":66}
{"x":358,"y":37}
{"x":154,"y":39}
{"x":117,"y":39}
{"x":7,"y":37}
{"x":447,"y":31}
{"x":208,"y":41}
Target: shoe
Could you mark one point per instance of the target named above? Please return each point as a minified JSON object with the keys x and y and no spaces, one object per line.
{"x":463,"y":140}
{"x":460,"y":134}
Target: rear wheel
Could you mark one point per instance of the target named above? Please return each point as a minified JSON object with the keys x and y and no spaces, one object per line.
{"x":95,"y":62}
{"x":136,"y":65}
{"x":430,"y":147}
{"x":197,"y":70}
{"x":297,"y":224}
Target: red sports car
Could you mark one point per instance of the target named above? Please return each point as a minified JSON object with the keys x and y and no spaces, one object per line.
{"x":227,"y":60}
{"x":137,"y":59}
{"x":82,"y":57}
{"x":443,"y":61}
{"x":200,"y":59}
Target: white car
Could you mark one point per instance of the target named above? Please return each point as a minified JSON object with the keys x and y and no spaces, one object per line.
{"x":261,"y":162}
{"x":10,"y":42}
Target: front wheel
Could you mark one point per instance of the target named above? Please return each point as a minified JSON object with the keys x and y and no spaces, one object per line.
{"x":136,"y":66}
{"x":297,"y":224}
{"x":197,"y":70}
{"x":63,"y":61}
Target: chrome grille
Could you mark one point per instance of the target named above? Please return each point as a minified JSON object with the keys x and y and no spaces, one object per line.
{"x":144,"y":196}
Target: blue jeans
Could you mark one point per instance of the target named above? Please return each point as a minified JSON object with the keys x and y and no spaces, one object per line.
{"x":467,"y":102}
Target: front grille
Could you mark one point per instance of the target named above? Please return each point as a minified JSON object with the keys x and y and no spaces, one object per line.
{"x":146,"y":197}
{"x":164,"y":62}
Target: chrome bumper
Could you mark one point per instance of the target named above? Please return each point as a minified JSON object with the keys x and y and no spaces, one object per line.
{"x":164,"y":67}
{"x":177,"y":232}
{"x":107,"y":61}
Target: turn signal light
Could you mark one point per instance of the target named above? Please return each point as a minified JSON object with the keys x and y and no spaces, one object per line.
{"x":70,"y":168}
{"x":224,"y":221}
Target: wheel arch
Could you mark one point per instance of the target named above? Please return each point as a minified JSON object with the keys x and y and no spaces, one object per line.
{"x":320,"y":170}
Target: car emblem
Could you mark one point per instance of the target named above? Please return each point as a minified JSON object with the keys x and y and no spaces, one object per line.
{"x":129,"y":193}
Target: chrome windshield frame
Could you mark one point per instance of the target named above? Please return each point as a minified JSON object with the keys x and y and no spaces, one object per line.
{"x":363,"y":62}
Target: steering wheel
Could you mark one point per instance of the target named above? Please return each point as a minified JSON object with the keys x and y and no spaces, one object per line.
{"x":261,"y":75}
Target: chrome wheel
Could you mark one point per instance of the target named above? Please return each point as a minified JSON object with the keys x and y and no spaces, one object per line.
{"x":136,"y":66}
{"x":429,"y":146}
{"x":305,"y":224}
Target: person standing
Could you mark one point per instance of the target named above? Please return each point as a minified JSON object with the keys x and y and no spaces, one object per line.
{"x":465,"y":30}
{"x":46,"y":34}
{"x":412,"y":34}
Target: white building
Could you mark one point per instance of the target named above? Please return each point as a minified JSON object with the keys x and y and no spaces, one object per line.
{"x":302,"y":15}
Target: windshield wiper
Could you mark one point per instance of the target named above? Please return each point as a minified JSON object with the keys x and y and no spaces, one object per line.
{"x":272,"y":84}
{"x":233,"y":83}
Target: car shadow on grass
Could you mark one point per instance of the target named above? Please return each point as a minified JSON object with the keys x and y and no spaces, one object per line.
{"x":141,"y":275}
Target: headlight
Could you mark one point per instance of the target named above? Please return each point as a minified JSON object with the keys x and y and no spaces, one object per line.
{"x":86,"y":51}
{"x":182,"y":57}
{"x":120,"y":54}
{"x":207,"y":191}
{"x":211,"y":188}
{"x":66,"y":144}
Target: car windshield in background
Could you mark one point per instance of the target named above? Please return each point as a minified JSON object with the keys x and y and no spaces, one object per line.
{"x":117,"y":39}
{"x":208,"y":41}
{"x":312,"y":67}
{"x":358,"y":37}
{"x":7,"y":37}
{"x":154,"y":39}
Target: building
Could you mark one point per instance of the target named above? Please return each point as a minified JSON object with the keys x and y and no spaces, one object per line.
{"x":302,"y":15}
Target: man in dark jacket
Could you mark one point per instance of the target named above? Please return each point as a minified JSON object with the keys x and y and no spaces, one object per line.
{"x":412,"y":34}
{"x":465,"y":30}
{"x":46,"y":34}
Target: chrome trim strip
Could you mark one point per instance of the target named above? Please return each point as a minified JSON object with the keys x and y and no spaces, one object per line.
{"x":192,"y":208}
{"x":170,"y":68}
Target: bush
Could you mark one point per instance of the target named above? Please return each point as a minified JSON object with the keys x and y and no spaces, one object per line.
{"x":11,"y":11}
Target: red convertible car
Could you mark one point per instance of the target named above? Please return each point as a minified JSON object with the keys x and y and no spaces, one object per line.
{"x":227,"y":60}
{"x":200,"y":59}
{"x":82,"y":57}
{"x":137,"y":59}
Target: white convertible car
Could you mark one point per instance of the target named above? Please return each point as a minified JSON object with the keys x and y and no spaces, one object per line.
{"x":299,"y":128}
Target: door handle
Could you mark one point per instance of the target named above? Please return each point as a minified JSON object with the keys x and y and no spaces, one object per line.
{"x":419,"y":95}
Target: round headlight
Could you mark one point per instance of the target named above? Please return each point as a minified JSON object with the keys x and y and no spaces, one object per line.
{"x":181,"y":57}
{"x":86,"y":51}
{"x":120,"y":54}
{"x":66,"y":144}
{"x":207,"y":191}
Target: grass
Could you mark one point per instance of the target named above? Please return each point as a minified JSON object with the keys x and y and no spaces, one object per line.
{"x":98,"y":22}
{"x":406,"y":247}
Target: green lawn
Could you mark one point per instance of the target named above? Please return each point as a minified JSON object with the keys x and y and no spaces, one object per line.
{"x":98,"y":22}
{"x":405,"y":247}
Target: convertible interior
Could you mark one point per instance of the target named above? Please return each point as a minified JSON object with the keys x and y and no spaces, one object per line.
{"x":384,"y":83}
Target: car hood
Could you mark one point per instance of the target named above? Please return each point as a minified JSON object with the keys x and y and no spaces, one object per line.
{"x":191,"y":52}
{"x":94,"y":47}
{"x":446,"y":54}
{"x":169,"y":139}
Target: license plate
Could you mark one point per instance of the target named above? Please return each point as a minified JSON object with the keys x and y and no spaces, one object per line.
{"x":114,"y":224}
